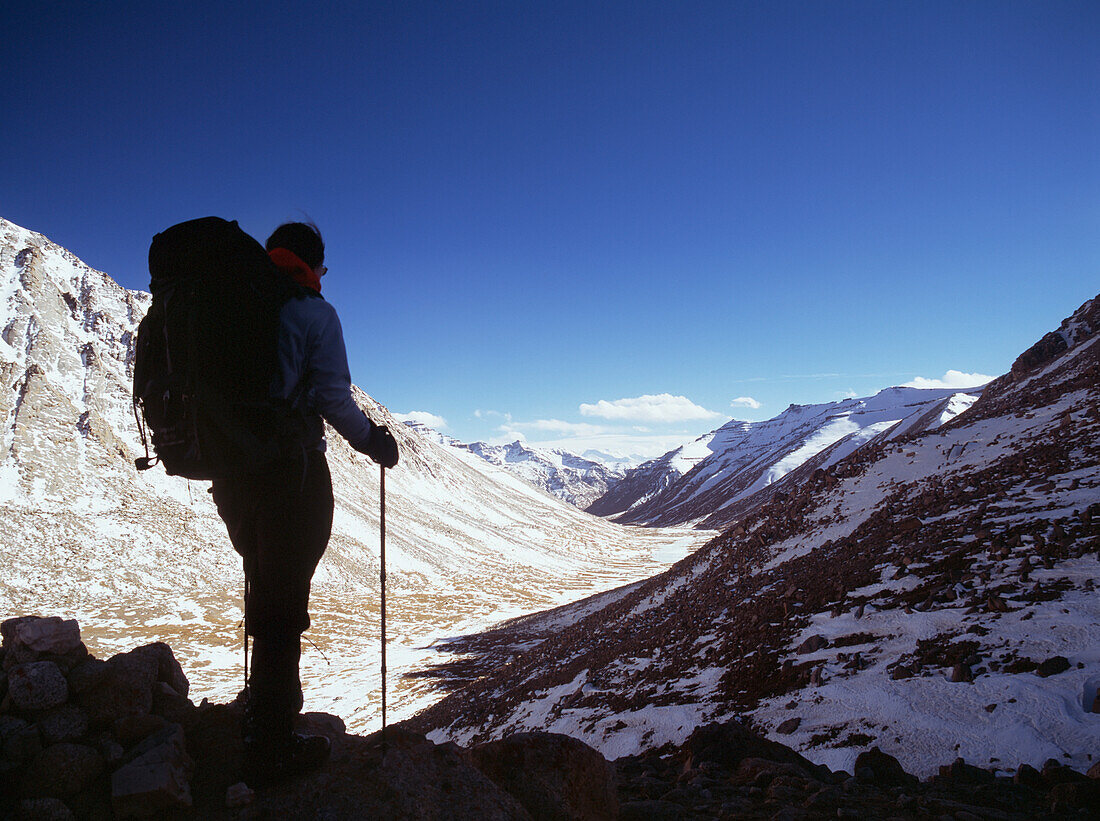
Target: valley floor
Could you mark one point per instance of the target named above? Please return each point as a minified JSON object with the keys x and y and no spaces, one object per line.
{"x":341,"y":652}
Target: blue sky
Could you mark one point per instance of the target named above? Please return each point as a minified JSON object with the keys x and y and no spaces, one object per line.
{"x":535,"y":207}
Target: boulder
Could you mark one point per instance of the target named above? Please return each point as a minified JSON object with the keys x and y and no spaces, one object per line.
{"x":8,"y":628}
{"x":1054,"y":773}
{"x":167,"y":702}
{"x":44,"y":809}
{"x":1028,"y":776}
{"x":132,"y":729}
{"x":86,"y":675}
{"x":887,"y":770}
{"x":66,"y":723}
{"x":1052,"y":666}
{"x":37,"y":685}
{"x":168,"y":668}
{"x":22,"y":741}
{"x":812,"y":645}
{"x":962,"y":773}
{"x":726,"y":745}
{"x":62,"y":770}
{"x":760,"y":772}
{"x":156,"y":780}
{"x":553,"y":776}
{"x":49,"y":635}
{"x":1078,"y":795}
{"x":126,"y":689}
{"x":789,"y":726}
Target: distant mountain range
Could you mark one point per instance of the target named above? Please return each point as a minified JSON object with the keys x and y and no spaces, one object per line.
{"x":706,"y":482}
{"x":577,"y":479}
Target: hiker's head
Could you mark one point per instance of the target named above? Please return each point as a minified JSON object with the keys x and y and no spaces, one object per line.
{"x":303,"y":238}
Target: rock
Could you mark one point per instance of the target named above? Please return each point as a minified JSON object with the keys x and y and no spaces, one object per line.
{"x":157,"y":779}
{"x":8,"y":628}
{"x":812,"y":645}
{"x":22,"y":741}
{"x":789,"y":726}
{"x":37,"y":685}
{"x":652,"y":811}
{"x":238,"y":795}
{"x":1051,"y":346}
{"x":87,"y":674}
{"x":961,"y":672}
{"x":1052,"y":666}
{"x":62,"y":770}
{"x":67,"y":723}
{"x":129,"y":730}
{"x":761,"y":771}
{"x":1028,"y":776}
{"x":553,"y":776}
{"x":908,"y":525}
{"x":167,"y":702}
{"x":49,"y":635}
{"x":726,"y":745}
{"x":44,"y":809}
{"x":168,"y":668}
{"x":1054,"y":773}
{"x":126,"y":689}
{"x":1083,"y":795}
{"x":963,"y":773}
{"x":9,"y":725}
{"x":111,"y":750}
{"x":886,"y":769}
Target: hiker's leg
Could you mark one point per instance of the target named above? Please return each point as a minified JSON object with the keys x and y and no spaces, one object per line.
{"x":293,"y":529}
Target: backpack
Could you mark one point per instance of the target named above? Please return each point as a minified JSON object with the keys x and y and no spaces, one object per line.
{"x":206,"y":354}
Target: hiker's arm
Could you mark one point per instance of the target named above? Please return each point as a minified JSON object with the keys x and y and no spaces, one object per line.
{"x":330,"y":382}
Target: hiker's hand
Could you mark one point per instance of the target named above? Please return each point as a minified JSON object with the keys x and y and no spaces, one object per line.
{"x":382,"y":447}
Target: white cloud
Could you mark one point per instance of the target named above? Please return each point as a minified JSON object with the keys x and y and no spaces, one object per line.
{"x":660,"y":408}
{"x":745,"y":402}
{"x":951,"y":379}
{"x":492,"y":414}
{"x":424,"y":418}
{"x":552,"y":426}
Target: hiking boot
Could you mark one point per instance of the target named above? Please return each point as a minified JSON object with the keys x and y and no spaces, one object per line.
{"x":270,"y":762}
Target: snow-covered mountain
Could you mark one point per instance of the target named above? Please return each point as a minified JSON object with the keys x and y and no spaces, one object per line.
{"x":932,"y":594}
{"x":578,"y":480}
{"x":575,"y":479}
{"x":704,"y":481}
{"x":145,"y":557}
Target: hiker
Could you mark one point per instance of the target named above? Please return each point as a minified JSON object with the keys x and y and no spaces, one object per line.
{"x":280,"y":519}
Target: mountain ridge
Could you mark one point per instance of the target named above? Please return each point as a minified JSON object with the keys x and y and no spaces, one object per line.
{"x":697,"y":482}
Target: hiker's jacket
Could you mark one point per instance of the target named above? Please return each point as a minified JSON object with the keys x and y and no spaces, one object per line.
{"x":313,"y":368}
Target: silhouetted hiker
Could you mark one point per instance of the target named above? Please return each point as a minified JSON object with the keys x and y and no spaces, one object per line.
{"x":280,"y":519}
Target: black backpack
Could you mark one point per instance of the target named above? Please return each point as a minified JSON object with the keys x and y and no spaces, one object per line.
{"x":206,"y":354}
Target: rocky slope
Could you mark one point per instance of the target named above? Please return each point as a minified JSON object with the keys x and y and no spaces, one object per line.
{"x":711,"y":480}
{"x":932,"y":594}
{"x":145,"y":556}
{"x":82,"y":737}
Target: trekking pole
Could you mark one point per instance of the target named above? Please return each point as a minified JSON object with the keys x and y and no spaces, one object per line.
{"x":382,"y":525}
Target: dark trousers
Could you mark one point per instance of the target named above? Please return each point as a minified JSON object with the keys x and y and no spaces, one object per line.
{"x":279,"y":521}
